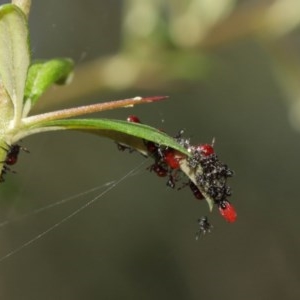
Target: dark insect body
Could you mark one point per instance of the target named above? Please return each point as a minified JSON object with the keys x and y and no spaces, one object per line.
{"x":195,"y":190}
{"x":204,"y":227}
{"x":171,"y":182}
{"x":10,"y":159}
{"x":160,"y":170}
{"x":12,"y":154}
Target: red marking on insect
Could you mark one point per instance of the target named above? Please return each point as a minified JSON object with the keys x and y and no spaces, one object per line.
{"x":133,"y":119}
{"x":172,"y":158}
{"x":205,"y":149}
{"x":227,"y":211}
{"x":12,"y":154}
{"x":195,"y":190}
{"x":10,"y":159}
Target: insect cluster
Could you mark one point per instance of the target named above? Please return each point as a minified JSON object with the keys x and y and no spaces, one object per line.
{"x":206,"y":175}
{"x":209,"y":178}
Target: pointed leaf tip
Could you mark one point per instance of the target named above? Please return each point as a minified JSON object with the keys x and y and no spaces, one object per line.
{"x":154,"y":98}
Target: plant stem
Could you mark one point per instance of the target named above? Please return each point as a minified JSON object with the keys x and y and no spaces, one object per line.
{"x":88,"y":109}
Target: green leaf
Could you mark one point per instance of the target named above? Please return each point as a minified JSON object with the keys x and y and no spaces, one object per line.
{"x":42,"y":74}
{"x":131,"y":134}
{"x":14,"y":54}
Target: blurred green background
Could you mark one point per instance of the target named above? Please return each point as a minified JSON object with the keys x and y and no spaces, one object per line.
{"x":231,"y":69}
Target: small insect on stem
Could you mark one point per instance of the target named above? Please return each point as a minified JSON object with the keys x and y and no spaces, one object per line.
{"x":12,"y":154}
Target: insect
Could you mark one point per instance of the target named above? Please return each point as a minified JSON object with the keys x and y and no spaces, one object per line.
{"x":171,"y":158}
{"x":227,"y":211}
{"x":171,"y":182}
{"x":160,"y":170}
{"x":205,"y":149}
{"x":12,"y":154}
{"x":195,"y":190}
{"x":133,"y":119}
{"x":11,"y":158}
{"x":204,"y":227}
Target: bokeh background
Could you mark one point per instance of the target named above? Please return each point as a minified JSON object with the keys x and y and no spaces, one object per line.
{"x":231,"y":69}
